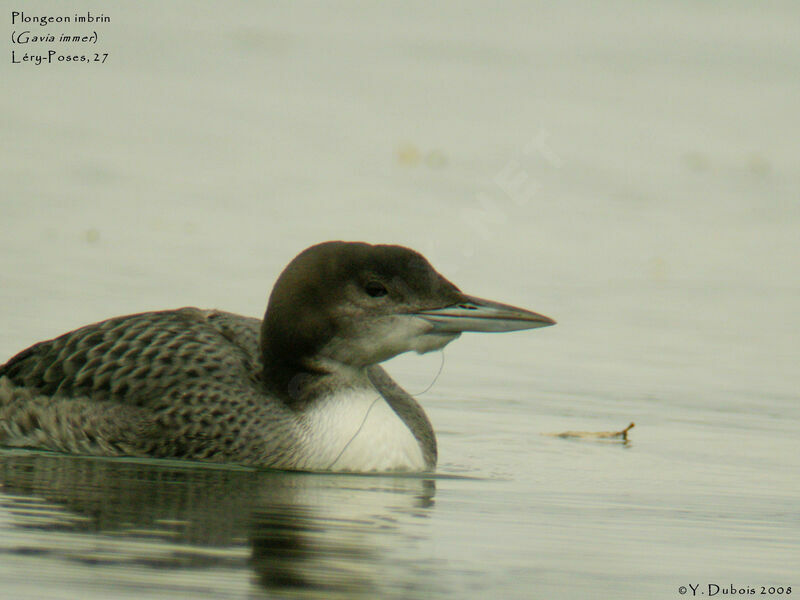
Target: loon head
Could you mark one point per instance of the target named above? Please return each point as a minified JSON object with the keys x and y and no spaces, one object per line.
{"x":354,"y":304}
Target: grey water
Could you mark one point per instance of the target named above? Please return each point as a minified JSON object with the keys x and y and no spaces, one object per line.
{"x":629,"y":169}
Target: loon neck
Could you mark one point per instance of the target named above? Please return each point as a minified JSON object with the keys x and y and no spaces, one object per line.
{"x":288,"y":346}
{"x":295,"y":370}
{"x":306,"y":386}
{"x":293,"y":383}
{"x":409,"y":411}
{"x":300,"y":380}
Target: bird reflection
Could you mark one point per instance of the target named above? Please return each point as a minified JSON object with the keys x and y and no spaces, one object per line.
{"x":331,"y":534}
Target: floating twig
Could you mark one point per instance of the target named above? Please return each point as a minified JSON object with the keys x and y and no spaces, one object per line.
{"x":620,"y":435}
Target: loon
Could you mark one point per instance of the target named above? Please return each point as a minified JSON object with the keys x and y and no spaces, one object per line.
{"x":299,"y":390}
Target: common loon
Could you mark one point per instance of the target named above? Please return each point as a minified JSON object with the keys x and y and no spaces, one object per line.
{"x":300,"y":390}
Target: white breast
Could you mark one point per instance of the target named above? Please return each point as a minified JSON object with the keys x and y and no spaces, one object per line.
{"x":358,"y":431}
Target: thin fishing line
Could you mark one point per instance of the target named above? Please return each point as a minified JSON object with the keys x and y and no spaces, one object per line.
{"x":435,"y":379}
{"x":360,"y":427}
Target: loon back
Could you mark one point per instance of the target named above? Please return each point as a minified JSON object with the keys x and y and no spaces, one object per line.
{"x":137,"y":359}
{"x":176,"y":383}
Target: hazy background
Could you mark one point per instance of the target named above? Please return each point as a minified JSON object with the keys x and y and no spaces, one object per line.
{"x":628,"y":168}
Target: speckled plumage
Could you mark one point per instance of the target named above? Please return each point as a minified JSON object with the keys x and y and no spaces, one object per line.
{"x":181,"y":383}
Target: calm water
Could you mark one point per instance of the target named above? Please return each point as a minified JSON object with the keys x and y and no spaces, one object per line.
{"x":629,"y":169}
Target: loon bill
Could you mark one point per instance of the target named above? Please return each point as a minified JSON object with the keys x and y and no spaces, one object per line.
{"x":300,"y":389}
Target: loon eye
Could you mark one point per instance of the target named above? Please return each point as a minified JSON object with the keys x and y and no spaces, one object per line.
{"x":375,"y":289}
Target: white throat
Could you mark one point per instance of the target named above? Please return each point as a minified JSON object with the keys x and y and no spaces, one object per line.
{"x":357,"y":431}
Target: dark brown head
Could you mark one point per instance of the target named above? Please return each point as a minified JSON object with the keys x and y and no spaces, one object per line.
{"x":356,"y":304}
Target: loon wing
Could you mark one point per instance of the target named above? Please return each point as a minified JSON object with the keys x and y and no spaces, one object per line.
{"x":179,"y":383}
{"x":138,"y":359}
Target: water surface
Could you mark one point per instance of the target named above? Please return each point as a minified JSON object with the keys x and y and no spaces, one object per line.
{"x":629,"y":169}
